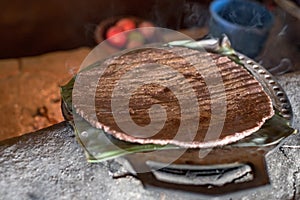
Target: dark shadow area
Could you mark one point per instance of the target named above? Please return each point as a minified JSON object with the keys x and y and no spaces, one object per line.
{"x":34,"y":27}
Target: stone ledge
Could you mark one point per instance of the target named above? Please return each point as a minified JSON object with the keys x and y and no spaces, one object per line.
{"x":49,"y":164}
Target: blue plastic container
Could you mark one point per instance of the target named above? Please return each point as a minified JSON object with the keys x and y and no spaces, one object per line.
{"x":246,"y":23}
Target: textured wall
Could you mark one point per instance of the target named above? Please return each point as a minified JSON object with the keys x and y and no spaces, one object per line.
{"x":30,"y":27}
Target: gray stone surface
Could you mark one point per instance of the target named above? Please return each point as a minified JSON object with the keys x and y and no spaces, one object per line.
{"x":49,"y":164}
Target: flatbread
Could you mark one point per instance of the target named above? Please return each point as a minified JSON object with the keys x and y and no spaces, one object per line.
{"x":247,"y":105}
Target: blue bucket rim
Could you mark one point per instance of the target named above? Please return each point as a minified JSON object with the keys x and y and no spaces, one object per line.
{"x":215,"y":15}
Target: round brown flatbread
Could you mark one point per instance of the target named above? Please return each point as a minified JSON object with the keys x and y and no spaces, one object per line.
{"x":225,"y":111}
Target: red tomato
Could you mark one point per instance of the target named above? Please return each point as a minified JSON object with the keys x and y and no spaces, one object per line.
{"x":116,"y":37}
{"x":113,"y":31}
{"x":126,"y":24}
